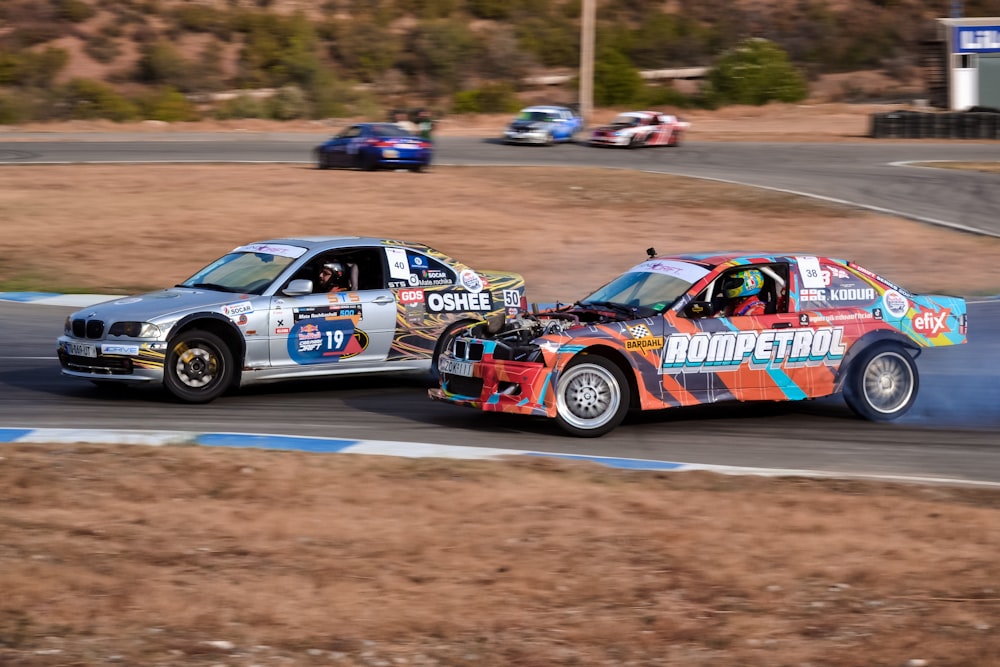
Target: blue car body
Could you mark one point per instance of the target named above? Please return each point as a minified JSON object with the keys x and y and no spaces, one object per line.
{"x":372,"y":146}
{"x":543,"y":124}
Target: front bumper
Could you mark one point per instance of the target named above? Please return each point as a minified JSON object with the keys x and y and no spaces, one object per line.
{"x":126,"y":361}
{"x":526,"y":137}
{"x":499,"y":386}
{"x":609,"y":141}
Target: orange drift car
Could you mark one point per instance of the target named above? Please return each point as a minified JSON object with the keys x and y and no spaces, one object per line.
{"x":703,"y":328}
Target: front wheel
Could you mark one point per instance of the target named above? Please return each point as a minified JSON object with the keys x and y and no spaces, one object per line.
{"x":592,"y":397}
{"x":882,"y":383}
{"x":198,"y":368}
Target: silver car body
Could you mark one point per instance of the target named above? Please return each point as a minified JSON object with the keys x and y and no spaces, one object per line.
{"x":276,"y":326}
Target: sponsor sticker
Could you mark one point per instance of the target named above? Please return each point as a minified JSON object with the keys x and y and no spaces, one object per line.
{"x":454,"y":301}
{"x":234,"y":310}
{"x":930,"y":324}
{"x":325,"y":341}
{"x":646,"y":343}
{"x":689,"y":272}
{"x":279,"y":249}
{"x":118,"y":348}
{"x":895,"y":303}
{"x":471,"y":281}
{"x":713,"y":352}
{"x":345,"y":310}
{"x":408,"y":296}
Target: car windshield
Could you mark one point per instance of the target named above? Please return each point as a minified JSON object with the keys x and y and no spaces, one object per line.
{"x":543,"y":116}
{"x":390,"y":130}
{"x":625,"y":120}
{"x":246,"y":270}
{"x":655,"y":284}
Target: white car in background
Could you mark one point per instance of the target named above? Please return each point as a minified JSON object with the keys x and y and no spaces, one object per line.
{"x":634,"y":129}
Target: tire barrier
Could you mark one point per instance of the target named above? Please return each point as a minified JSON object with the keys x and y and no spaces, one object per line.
{"x":935,"y":125}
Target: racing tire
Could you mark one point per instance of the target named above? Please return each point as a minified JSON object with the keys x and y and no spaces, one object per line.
{"x":321,"y":161}
{"x":882,"y":383}
{"x":674,"y":139}
{"x":634,"y":142}
{"x":550,"y":139}
{"x":592,"y":397}
{"x":198,"y":368}
{"x":417,"y":168}
{"x":367,"y":162}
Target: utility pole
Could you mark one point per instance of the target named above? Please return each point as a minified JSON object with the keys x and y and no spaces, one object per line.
{"x":587,"y":21}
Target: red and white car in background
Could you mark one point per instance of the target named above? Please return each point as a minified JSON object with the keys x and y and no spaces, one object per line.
{"x":633,"y":129}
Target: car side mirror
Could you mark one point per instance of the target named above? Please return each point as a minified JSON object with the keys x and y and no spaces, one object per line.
{"x":699,"y":309}
{"x":298,"y":287}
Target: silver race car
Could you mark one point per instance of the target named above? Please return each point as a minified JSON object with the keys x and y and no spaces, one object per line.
{"x":287,"y":308}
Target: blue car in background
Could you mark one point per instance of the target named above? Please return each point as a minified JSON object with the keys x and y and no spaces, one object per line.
{"x":544,"y":125}
{"x":371,"y":146}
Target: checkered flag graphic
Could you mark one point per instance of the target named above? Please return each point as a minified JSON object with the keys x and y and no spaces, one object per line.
{"x":640,"y":331}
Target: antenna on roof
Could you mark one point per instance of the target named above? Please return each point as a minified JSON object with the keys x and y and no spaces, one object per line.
{"x":651,"y":252}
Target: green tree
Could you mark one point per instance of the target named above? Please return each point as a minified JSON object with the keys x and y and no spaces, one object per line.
{"x":86,"y":99}
{"x":616,"y":81}
{"x":756,"y":72}
{"x":168,"y":104}
{"x":162,"y":64}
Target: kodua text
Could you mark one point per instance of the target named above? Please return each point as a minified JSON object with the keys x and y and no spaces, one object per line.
{"x":727,"y":350}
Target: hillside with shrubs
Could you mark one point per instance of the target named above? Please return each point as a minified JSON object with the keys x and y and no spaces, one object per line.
{"x":180,"y":60}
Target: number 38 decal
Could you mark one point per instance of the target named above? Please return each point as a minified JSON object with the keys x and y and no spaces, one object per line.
{"x":324,"y":341}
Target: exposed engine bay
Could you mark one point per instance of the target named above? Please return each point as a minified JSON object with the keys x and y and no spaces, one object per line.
{"x":515,"y":336}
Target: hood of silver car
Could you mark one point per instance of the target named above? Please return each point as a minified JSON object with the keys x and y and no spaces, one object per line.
{"x":167,"y":304}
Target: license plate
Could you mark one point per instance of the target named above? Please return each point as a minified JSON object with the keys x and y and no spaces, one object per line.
{"x":82,"y":350}
{"x":390,"y":152}
{"x":455,"y":367}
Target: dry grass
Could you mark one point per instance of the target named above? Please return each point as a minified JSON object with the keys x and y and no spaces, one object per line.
{"x":190,"y":556}
{"x":149,"y":554}
{"x":566,"y":230}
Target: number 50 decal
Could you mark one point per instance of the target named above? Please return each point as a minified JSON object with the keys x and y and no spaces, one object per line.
{"x":325,"y":341}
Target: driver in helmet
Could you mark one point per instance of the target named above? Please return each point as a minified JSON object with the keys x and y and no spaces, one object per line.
{"x":333,"y":278}
{"x":742,"y":289}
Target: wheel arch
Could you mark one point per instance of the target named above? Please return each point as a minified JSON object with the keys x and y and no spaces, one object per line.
{"x":865,"y":343}
{"x":221,"y":326}
{"x":618,"y":359}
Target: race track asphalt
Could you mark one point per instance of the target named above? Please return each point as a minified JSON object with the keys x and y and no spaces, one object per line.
{"x":952,"y":433}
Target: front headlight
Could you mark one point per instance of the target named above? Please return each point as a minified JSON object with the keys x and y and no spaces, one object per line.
{"x":135,"y":329}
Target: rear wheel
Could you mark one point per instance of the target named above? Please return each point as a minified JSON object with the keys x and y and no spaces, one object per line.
{"x":882,"y":383}
{"x":198,"y":368}
{"x":367,"y":161}
{"x":592,"y":397}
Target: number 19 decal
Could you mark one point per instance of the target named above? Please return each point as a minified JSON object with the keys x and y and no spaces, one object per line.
{"x":324,"y":341}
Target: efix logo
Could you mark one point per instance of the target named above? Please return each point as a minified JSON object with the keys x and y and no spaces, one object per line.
{"x":931,"y":324}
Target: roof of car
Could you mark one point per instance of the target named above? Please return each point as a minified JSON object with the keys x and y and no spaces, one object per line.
{"x":546,"y":107}
{"x":343,"y":241}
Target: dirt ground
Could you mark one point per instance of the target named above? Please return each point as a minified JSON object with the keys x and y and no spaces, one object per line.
{"x":197,"y":556}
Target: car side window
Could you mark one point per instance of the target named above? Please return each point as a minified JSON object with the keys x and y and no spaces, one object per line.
{"x":409,"y":268}
{"x":842,"y":288}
